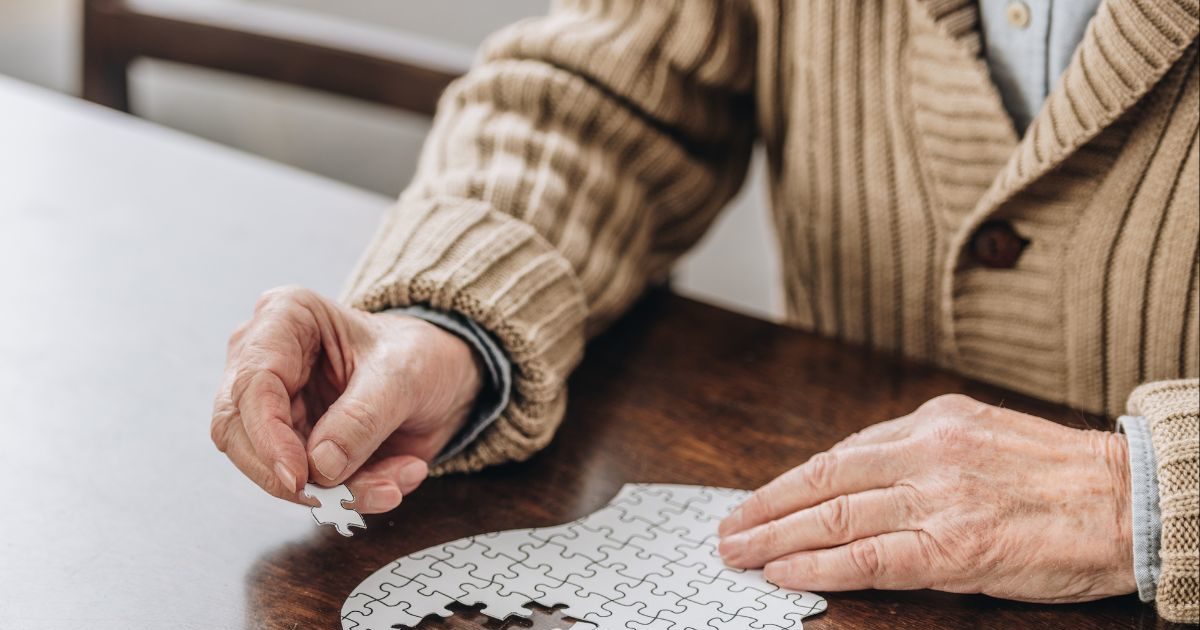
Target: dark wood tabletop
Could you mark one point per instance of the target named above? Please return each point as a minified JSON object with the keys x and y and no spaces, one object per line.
{"x":677,"y":392}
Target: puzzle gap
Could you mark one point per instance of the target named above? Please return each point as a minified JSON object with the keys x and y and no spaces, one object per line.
{"x":472,"y":617}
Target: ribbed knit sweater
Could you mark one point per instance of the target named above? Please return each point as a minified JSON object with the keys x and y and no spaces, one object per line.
{"x":587,"y":150}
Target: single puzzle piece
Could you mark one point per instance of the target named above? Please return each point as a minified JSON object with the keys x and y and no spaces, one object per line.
{"x":332,"y":510}
{"x":647,"y":560}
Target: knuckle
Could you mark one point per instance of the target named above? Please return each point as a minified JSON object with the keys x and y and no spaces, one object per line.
{"x":978,"y":535}
{"x":276,"y":404}
{"x":911,"y":503}
{"x":222,"y":422}
{"x":967,"y":541}
{"x":849,"y":440}
{"x":228,"y":434}
{"x":865,"y":555}
{"x":238,"y":334}
{"x":946,"y":404}
{"x":771,"y":537}
{"x":243,"y":376}
{"x":268,"y":298}
{"x":760,"y":504}
{"x":361,"y":420}
{"x":259,"y":434}
{"x":951,"y":433}
{"x":286,"y":294}
{"x":218,"y":432}
{"x":929,"y":549}
{"x":820,"y":471}
{"x":834,"y":516}
{"x":935,"y":565}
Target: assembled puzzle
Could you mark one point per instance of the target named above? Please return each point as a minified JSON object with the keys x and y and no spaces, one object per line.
{"x":648,"y":560}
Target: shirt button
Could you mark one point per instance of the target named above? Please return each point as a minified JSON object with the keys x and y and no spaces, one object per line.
{"x":996,"y":244}
{"x":1017,"y":13}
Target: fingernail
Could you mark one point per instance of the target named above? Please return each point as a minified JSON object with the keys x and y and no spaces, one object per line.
{"x":330,"y":459}
{"x":411,"y":474}
{"x":285,"y":476}
{"x":731,"y":522}
{"x":382,"y":498}
{"x":732,"y":547}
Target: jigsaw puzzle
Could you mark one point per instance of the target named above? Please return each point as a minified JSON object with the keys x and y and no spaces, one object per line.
{"x":332,"y":511}
{"x":646,"y":561}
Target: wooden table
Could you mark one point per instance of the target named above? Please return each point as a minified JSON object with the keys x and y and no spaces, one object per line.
{"x":127,"y":254}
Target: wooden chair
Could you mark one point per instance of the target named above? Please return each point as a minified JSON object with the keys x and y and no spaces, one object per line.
{"x":279,"y":44}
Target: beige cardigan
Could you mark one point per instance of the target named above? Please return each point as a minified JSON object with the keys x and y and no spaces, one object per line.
{"x":587,"y":150}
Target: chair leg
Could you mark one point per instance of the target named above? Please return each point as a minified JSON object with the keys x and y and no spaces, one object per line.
{"x":105,"y":72}
{"x":106,"y":83}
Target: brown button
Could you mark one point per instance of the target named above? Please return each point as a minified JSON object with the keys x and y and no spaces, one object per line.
{"x":996,"y":244}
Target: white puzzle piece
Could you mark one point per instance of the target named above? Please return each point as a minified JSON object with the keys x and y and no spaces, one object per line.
{"x":331,"y":511}
{"x":648,"y":559}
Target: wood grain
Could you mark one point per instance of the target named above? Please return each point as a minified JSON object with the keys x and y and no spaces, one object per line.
{"x":680,"y":392}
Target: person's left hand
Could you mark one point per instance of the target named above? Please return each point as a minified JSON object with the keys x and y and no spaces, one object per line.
{"x":958,"y":496}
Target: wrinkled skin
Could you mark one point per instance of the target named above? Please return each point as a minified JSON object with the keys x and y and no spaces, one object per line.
{"x":958,"y":496}
{"x":315,"y":391}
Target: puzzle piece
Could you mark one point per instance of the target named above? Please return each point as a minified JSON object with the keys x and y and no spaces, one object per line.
{"x":647,"y":560}
{"x":332,"y":510}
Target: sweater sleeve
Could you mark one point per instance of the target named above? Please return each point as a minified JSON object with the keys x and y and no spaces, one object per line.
{"x":1172,"y":409}
{"x":574,"y":163}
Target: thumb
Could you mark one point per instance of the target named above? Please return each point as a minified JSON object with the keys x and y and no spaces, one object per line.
{"x":354,"y":426}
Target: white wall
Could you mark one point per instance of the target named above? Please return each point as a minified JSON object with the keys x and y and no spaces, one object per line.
{"x":365,"y":145}
{"x":39,"y":42}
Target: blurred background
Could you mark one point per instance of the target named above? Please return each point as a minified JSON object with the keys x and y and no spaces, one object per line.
{"x":362,"y":143}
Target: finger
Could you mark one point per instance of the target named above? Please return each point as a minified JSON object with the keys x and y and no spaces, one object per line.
{"x":879,"y":433}
{"x":893,"y":561}
{"x":835,"y":522}
{"x":823,"y":477}
{"x":354,"y":426}
{"x":266,"y":411}
{"x":379,"y":486}
{"x":242,"y":454}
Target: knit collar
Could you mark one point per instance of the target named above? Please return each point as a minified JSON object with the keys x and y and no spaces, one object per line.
{"x":1128,"y":47}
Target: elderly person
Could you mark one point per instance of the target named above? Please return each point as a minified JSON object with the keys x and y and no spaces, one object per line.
{"x":1004,"y":188}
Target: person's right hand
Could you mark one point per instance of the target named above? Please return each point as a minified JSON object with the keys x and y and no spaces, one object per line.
{"x":314,"y":390}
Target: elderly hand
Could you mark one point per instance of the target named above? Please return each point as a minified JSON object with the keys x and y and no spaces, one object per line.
{"x":317,"y":391}
{"x":959,"y":496}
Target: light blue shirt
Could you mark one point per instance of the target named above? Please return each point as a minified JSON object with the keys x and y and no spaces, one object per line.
{"x":1028,"y":45}
{"x":1146,"y":512}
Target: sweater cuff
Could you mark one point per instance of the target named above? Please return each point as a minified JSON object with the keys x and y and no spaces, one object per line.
{"x":1172,"y":412}
{"x":460,"y":256}
{"x":497,"y":388}
{"x":1147,"y":521}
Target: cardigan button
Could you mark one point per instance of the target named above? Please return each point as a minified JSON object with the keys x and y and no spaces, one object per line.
{"x":996,"y":244}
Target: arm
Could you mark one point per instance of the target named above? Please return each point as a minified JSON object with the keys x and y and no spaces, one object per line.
{"x":582,"y":155}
